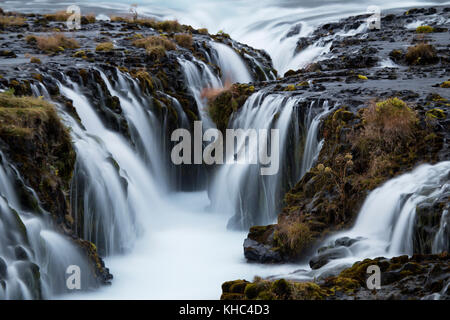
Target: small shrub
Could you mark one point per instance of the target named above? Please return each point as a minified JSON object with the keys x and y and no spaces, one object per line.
{"x":389,"y":121}
{"x":168,"y":26}
{"x":58,"y":16}
{"x":396,"y":54}
{"x":290,"y":87}
{"x":203,"y":31}
{"x":421,"y":53}
{"x":104,"y":47}
{"x":12,"y":21}
{"x":445,"y":84}
{"x":31,"y":39}
{"x":361,"y":77}
{"x":35,"y":60}
{"x":55,"y":43}
{"x":184,"y":40}
{"x":154,"y":41}
{"x":424,"y":29}
{"x":293,"y":234}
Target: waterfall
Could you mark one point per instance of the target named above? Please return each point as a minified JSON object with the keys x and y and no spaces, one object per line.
{"x":33,"y":256}
{"x":239,"y":188}
{"x":312,"y":144}
{"x":386,"y":221}
{"x":143,"y":124}
{"x":112,"y":188}
{"x":231,"y":64}
{"x":199,"y":76}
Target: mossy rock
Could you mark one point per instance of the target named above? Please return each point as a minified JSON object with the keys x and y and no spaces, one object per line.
{"x":436,"y":113}
{"x":424,"y":29}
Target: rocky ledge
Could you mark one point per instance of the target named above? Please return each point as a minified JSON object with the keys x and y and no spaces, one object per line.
{"x":402,"y":278}
{"x":375,"y":81}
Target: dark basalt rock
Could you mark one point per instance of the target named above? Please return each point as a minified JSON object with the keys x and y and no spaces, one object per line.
{"x":326,"y":256}
{"x":20,"y":253}
{"x":255,"y":251}
{"x":402,"y":278}
{"x":3,"y":269}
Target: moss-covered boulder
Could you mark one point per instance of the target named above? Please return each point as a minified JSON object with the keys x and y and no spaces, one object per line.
{"x":41,"y":148}
{"x":221,"y":105}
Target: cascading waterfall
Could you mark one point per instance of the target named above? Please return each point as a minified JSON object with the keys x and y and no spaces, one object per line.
{"x":33,"y":256}
{"x":240,"y":188}
{"x":232,"y":66}
{"x":386,"y":222}
{"x":112,"y":186}
{"x":198,"y":76}
{"x":144,"y":126}
{"x":312,"y":144}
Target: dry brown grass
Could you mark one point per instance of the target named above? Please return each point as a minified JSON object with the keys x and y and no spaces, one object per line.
{"x":35,"y":60}
{"x":389,"y":121}
{"x":155,"y":46}
{"x":19,"y":114}
{"x":184,"y":40}
{"x":12,"y":21}
{"x":154,"y":41}
{"x":55,"y":43}
{"x":421,"y":53}
{"x":165,"y":26}
{"x":62,"y":16}
{"x":104,"y":47}
{"x":58,"y":16}
{"x":211,"y":93}
{"x":293,"y":233}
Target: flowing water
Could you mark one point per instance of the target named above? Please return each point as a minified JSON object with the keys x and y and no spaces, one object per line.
{"x":30,"y":245}
{"x":385,"y":223}
{"x":163,"y":243}
{"x":272,"y":25}
{"x":240,"y":188}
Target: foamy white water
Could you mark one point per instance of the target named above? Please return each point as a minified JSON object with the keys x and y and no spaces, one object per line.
{"x":187,"y":254}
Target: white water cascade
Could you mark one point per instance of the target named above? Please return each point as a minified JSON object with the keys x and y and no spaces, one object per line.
{"x":199,"y":76}
{"x":312,"y":144}
{"x":232,"y":66}
{"x":34,"y":257}
{"x":386,"y":221}
{"x":239,"y":187}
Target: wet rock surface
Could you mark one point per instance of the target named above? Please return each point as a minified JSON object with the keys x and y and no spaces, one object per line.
{"x":362,"y":67}
{"x":420,"y":277}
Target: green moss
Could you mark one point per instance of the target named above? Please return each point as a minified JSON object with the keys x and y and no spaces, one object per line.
{"x":80,"y":54}
{"x":290,"y":87}
{"x":35,"y":60}
{"x":281,"y":288}
{"x":222,"y":105}
{"x":38,"y":140}
{"x":104,"y":47}
{"x":445,"y":84}
{"x":424,"y":29}
{"x":436,"y":113}
{"x":145,"y":80}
